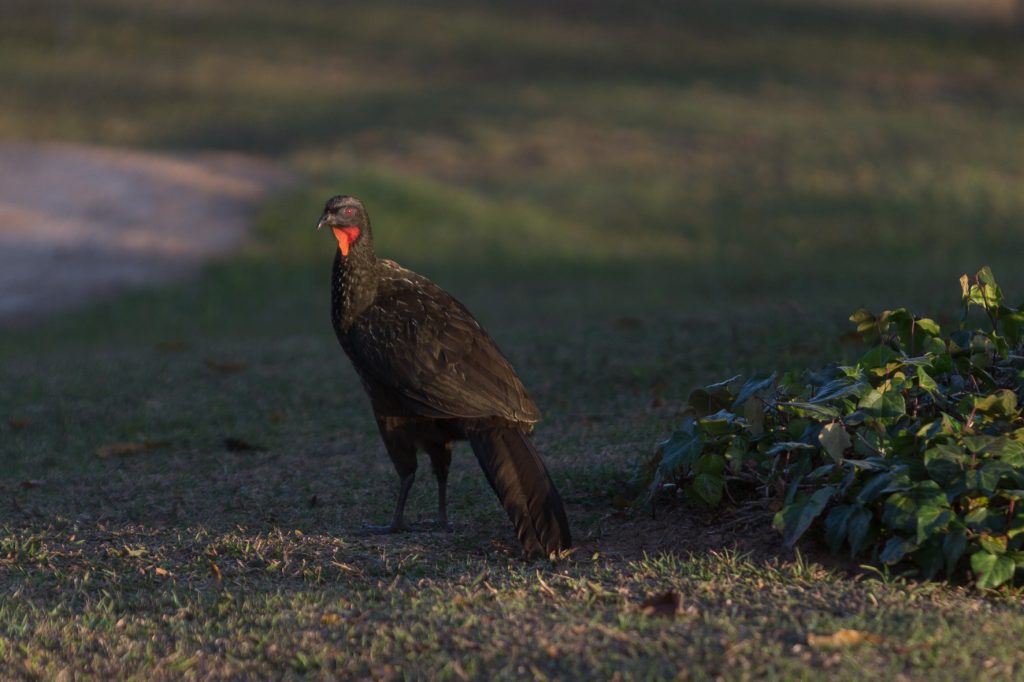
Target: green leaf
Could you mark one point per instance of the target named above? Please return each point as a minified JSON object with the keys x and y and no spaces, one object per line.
{"x":953,"y":547}
{"x":984,"y":292}
{"x":1002,"y":403}
{"x":931,"y":520}
{"x":708,"y":488}
{"x":993,"y":544}
{"x":895,"y":549}
{"x":682,"y":449}
{"x":882,"y":483}
{"x":796,"y":518}
{"x":836,"y":525}
{"x":754,"y":385}
{"x":900,"y":512}
{"x":858,"y":529}
{"x":710,"y":464}
{"x":985,"y":479}
{"x":945,"y":463}
{"x":705,"y":401}
{"x":925,"y":381}
{"x":879,"y":356}
{"x":840,"y":388}
{"x":991,"y":292}
{"x":803,"y":408}
{"x":867,"y":324}
{"x":717,"y":424}
{"x":928,"y":556}
{"x":992,"y":570}
{"x":929,"y":327}
{"x":788,"y":446}
{"x":884,"y":403}
{"x":1012,"y":323}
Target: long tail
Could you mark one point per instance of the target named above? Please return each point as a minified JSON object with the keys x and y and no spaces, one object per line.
{"x":518,"y":475}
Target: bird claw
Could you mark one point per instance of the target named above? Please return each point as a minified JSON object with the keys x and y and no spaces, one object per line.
{"x":371,"y":529}
{"x":404,"y":527}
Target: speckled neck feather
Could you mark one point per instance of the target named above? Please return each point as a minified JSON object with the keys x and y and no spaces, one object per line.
{"x":354,"y":281}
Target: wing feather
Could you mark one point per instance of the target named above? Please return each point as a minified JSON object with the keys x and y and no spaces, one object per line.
{"x":424,"y":346}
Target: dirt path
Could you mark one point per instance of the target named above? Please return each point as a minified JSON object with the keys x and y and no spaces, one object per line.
{"x":79,"y":223}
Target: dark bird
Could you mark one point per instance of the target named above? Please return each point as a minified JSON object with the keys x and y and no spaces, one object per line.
{"x":435,"y":376}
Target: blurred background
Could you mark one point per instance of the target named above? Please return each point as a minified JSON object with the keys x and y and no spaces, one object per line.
{"x":627,"y":194}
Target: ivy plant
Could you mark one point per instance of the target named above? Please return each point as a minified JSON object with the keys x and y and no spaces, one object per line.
{"x":915,"y":453}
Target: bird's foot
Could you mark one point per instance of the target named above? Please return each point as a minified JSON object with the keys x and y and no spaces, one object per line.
{"x":434,"y":524}
{"x":387,"y":529}
{"x":407,"y":527}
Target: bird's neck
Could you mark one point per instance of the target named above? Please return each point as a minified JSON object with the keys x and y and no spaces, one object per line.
{"x":354,"y":282}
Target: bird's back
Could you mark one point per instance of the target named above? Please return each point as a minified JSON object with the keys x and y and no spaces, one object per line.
{"x":422,"y":347}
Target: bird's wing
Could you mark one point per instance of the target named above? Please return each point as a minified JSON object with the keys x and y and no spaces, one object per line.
{"x":425,"y":346}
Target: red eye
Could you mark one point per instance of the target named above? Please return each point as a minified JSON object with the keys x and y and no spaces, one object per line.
{"x":348,"y":212}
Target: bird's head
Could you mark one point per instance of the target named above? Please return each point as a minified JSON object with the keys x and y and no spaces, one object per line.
{"x":346,"y":216}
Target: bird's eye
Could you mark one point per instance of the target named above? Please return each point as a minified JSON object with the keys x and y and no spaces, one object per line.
{"x":348,"y":212}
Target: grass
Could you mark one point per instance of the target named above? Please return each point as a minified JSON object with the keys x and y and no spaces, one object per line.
{"x":633,"y":201}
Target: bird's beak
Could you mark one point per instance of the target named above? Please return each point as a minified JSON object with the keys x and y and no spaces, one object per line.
{"x":323,"y":221}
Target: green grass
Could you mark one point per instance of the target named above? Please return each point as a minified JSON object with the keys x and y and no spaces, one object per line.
{"x":633,"y":201}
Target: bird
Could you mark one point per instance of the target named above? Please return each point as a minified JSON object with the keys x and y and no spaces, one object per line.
{"x":433,"y":377}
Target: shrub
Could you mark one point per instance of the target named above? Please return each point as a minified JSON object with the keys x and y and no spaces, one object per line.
{"x":916,"y":452}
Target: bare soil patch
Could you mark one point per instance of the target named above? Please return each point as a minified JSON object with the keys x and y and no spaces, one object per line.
{"x":78,"y":223}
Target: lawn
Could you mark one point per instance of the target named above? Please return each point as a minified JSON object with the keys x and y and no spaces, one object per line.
{"x":633,"y":200}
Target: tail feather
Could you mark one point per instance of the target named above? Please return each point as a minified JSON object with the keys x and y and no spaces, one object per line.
{"x":516,"y":472}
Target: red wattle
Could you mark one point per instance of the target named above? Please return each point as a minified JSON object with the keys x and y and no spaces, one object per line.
{"x":345,"y":237}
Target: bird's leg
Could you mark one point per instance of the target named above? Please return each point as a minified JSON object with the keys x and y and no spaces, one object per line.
{"x":398,"y":520}
{"x":440,"y":460}
{"x":402,"y":451}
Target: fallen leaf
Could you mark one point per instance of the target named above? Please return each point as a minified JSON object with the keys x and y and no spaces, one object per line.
{"x":225,"y":367}
{"x":172,"y":346}
{"x":161,"y":571}
{"x":842,"y":638}
{"x":628,"y":323}
{"x":834,"y":438}
{"x":18,"y":423}
{"x":330,"y":619}
{"x":233,"y":444}
{"x":128,"y":448}
{"x":27,"y":485}
{"x":215,"y":570}
{"x":663,"y":605}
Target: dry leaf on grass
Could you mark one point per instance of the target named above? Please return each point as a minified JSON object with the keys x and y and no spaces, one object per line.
{"x":18,"y":423}
{"x":129,"y":448}
{"x":663,"y":605}
{"x":628,"y":323}
{"x":842,"y":638}
{"x":233,"y":444}
{"x":330,"y":619}
{"x":215,"y":570}
{"x":225,"y":367}
{"x":171,"y":346}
